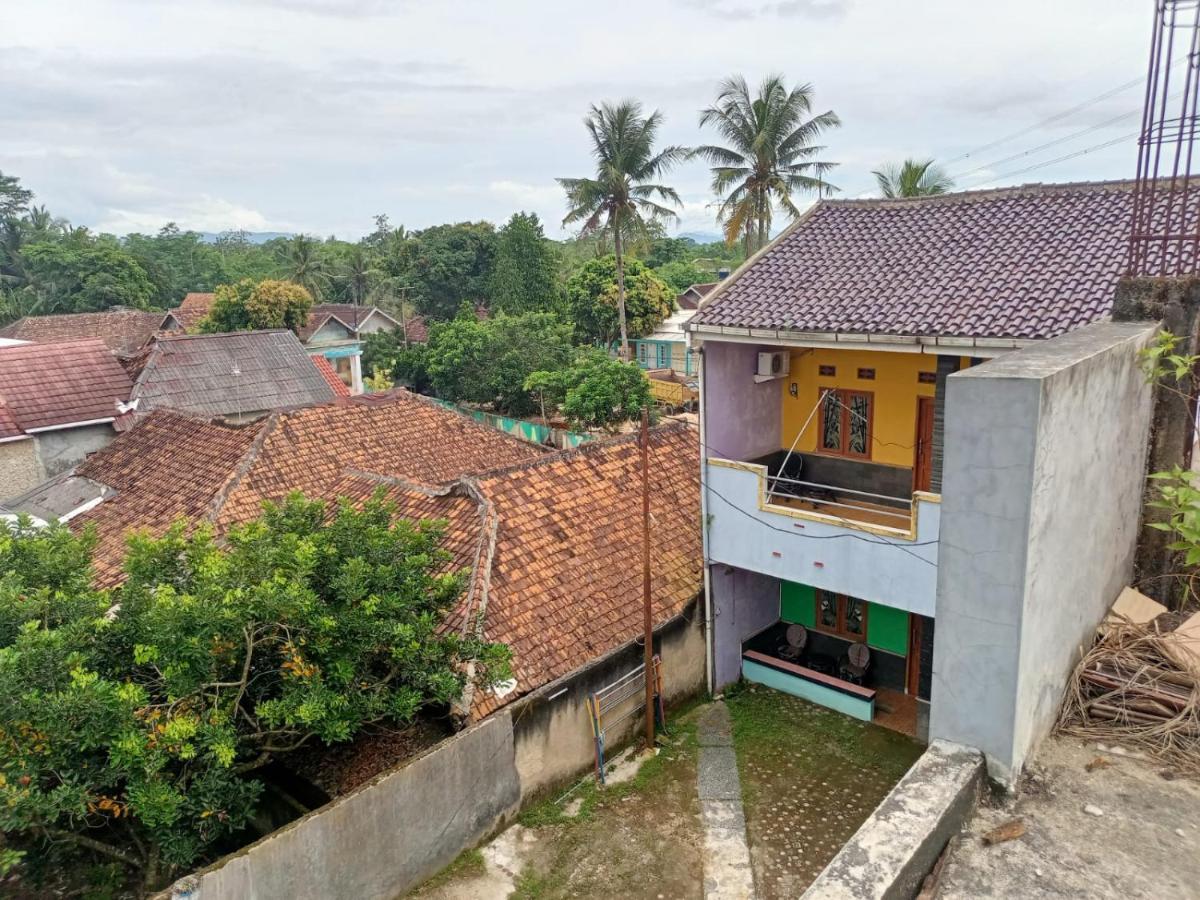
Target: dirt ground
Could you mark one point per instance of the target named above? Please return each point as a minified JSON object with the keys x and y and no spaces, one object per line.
{"x":1099,"y":822}
{"x":810,"y":778}
{"x":640,"y":837}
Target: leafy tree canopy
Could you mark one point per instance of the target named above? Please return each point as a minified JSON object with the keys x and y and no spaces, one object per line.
{"x":13,"y":198}
{"x":487,"y":360}
{"x":132,"y":722}
{"x":75,"y":276}
{"x":450,"y":265}
{"x":681,"y":274}
{"x":525,"y":276}
{"x":597,"y":391}
{"x":177,"y":262}
{"x":247,"y":306}
{"x":592,"y":300}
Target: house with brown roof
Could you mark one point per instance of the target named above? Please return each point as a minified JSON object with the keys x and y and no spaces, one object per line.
{"x":58,"y":402}
{"x":826,"y":360}
{"x":124,"y":331}
{"x":238,"y":376}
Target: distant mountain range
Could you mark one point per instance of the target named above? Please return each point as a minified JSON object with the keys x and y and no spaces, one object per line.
{"x":701,"y":237}
{"x":254,"y":237}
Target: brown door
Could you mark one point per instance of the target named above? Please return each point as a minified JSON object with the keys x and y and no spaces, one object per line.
{"x":923,"y":463}
{"x":912,"y":680}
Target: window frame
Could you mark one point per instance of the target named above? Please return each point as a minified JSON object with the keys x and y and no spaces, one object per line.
{"x":843,"y":396}
{"x":840,"y":630}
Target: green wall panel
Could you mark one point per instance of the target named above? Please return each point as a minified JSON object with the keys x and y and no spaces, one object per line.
{"x":887,"y":628}
{"x":797,"y":603}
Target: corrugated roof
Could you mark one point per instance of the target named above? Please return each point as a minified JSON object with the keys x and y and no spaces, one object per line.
{"x":46,"y":385}
{"x":1022,"y":263}
{"x":229,"y":374}
{"x":124,"y":331}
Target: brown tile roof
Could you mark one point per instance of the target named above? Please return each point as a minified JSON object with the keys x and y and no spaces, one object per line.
{"x":124,"y":331}
{"x":389,"y":433}
{"x":417,"y":330}
{"x":171,"y":465}
{"x":1023,"y":263}
{"x":9,"y":429}
{"x":198,"y":301}
{"x":187,"y":319}
{"x":228,"y":374}
{"x":690,"y":299}
{"x":45,"y":385}
{"x":325,"y":367}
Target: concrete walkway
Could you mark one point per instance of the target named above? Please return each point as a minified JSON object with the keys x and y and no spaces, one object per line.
{"x":727,"y":871}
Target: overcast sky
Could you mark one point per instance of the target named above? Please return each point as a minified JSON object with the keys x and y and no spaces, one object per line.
{"x":314,"y":115}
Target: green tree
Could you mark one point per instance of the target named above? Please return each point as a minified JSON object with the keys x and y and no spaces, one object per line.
{"x":133,"y":722}
{"x":246,"y":306}
{"x":303,"y":263}
{"x":912,"y":178}
{"x":385,"y":351}
{"x":620,"y":198}
{"x":769,"y":154}
{"x":13,"y":198}
{"x":593,"y":299}
{"x":681,"y":274}
{"x":525,"y":276}
{"x":487,"y":360}
{"x":596,"y":391}
{"x":450,"y":265}
{"x":81,"y":275}
{"x":359,"y":273}
{"x":176,"y":262}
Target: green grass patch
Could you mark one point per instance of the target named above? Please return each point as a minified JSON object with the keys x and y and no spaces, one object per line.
{"x":468,"y":864}
{"x":534,"y":885}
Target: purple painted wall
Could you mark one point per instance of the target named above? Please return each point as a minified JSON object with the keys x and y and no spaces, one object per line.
{"x":744,"y":603}
{"x":741,"y":418}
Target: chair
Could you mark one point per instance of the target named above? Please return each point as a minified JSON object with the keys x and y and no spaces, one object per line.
{"x":796,"y":638}
{"x":856,"y":662}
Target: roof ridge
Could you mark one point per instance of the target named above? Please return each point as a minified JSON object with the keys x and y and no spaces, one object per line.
{"x":417,"y":487}
{"x":182,"y":336}
{"x":242,"y":469}
{"x":431,"y":402}
{"x":1030,"y":188}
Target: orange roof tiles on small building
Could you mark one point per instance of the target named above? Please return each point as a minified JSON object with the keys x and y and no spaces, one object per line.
{"x":325,"y":367}
{"x":197,"y":300}
{"x":46,"y":386}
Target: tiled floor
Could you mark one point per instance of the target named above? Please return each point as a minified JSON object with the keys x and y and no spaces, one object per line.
{"x":896,"y":711}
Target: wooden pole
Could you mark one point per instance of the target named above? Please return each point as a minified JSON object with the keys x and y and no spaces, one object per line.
{"x":647,"y":619}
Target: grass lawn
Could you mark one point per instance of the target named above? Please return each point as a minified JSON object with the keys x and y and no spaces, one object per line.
{"x":810,"y":777}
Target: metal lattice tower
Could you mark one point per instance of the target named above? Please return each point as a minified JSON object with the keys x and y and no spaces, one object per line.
{"x":1164,"y":237}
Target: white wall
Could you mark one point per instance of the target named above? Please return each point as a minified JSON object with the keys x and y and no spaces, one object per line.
{"x":1042,"y":490}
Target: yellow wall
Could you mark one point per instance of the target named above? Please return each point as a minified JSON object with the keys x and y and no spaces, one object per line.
{"x":895,"y":387}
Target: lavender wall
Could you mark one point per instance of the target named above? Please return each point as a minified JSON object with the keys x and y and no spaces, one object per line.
{"x":741,"y":418}
{"x":744,"y":603}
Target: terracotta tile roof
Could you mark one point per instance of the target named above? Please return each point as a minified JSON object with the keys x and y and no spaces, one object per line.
{"x":325,"y":367}
{"x":9,"y":429}
{"x":388,"y":433}
{"x":198,"y":301}
{"x":417,"y":330}
{"x":318,"y":316}
{"x":171,"y":465}
{"x":186,"y":319}
{"x":1023,"y":263}
{"x":229,"y":374}
{"x":45,"y":385}
{"x":690,"y":299}
{"x":124,"y":331}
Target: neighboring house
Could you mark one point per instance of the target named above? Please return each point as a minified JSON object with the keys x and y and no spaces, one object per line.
{"x":666,"y":347}
{"x":58,"y":402}
{"x":238,"y":376}
{"x":124,"y":331}
{"x":190,"y":312}
{"x":336,"y":332}
{"x":826,"y":364}
{"x":692,"y":297}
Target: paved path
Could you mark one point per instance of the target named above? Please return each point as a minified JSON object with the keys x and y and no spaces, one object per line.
{"x":727,"y":872}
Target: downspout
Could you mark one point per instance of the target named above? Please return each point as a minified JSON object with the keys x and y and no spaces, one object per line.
{"x":709,"y":638}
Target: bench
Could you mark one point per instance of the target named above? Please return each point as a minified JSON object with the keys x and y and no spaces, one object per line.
{"x":809,"y":684}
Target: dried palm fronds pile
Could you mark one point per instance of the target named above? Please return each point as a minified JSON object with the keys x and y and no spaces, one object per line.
{"x":1131,"y":687}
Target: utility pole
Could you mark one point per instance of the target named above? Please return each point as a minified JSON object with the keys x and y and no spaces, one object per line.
{"x":647,"y":619}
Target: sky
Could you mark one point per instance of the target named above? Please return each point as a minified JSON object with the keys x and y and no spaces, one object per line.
{"x":317,"y":115}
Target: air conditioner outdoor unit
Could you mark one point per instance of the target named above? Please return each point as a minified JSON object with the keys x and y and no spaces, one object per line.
{"x":773,"y":365}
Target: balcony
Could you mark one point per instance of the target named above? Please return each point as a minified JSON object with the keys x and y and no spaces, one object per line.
{"x":878,"y":545}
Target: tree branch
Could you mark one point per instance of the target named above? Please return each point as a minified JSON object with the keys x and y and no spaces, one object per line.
{"x":92,"y":844}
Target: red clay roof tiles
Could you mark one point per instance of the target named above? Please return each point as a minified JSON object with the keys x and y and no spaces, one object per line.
{"x":1023,"y":263}
{"x":124,"y":331}
{"x":48,"y":385}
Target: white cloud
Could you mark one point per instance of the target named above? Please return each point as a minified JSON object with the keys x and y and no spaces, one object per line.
{"x":202,"y":213}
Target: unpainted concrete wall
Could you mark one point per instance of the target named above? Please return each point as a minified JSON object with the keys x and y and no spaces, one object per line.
{"x":1045,"y":462}
{"x":741,"y":418}
{"x":20,"y":467}
{"x":744,"y":603}
{"x":60,"y":450}
{"x":553,"y":737}
{"x":387,"y":836}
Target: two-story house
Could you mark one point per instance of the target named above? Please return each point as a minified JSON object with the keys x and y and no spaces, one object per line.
{"x":825,"y":361}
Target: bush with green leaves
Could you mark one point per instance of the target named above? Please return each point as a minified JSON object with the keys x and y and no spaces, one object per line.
{"x":250,"y":306}
{"x":132,"y":721}
{"x":592,"y":300}
{"x":597,"y":391}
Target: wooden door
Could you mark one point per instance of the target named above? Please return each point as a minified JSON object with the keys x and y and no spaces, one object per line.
{"x":923,"y":460}
{"x":912,"y":678}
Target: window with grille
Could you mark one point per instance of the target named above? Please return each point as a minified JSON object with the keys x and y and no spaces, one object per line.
{"x":845,"y":426}
{"x":840,"y":615}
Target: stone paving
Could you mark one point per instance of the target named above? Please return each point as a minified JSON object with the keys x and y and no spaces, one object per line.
{"x":727,"y":871}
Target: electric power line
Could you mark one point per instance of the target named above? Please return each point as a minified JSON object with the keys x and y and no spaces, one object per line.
{"x":1050,"y":162}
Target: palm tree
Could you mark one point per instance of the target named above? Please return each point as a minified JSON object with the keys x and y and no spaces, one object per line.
{"x":769,"y":154}
{"x":302,"y":264}
{"x":913,"y":178}
{"x":360,"y":274}
{"x":620,"y":198}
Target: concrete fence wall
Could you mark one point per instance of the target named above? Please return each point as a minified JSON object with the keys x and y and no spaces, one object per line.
{"x":394,"y":832}
{"x":1044,"y":471}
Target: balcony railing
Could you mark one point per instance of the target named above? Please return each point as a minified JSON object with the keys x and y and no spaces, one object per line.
{"x":860,"y":506}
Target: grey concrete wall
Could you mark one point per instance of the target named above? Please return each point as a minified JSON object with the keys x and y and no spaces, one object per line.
{"x":744,"y":603}
{"x":1044,"y":468}
{"x":60,"y":450}
{"x":553,"y":737}
{"x":20,"y":467}
{"x":387,"y":836}
{"x":741,"y":418}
